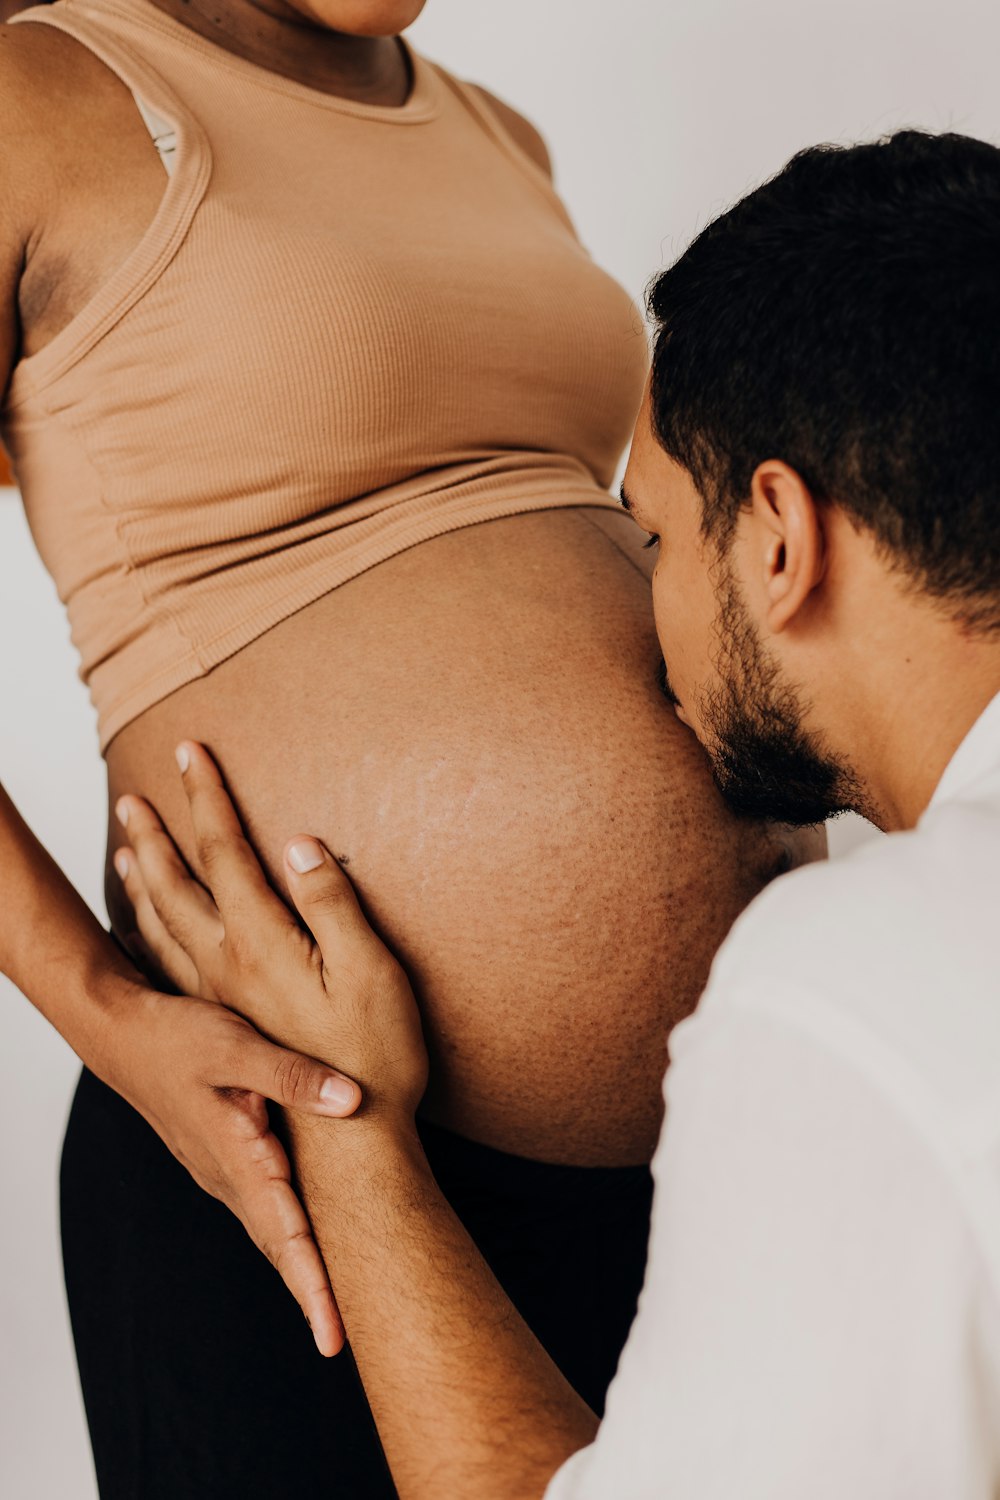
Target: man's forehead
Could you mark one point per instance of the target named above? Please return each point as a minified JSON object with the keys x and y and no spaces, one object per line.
{"x":640,"y":459}
{"x":653,"y":480}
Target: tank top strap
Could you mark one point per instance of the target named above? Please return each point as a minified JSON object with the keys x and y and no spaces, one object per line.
{"x":488,"y":119}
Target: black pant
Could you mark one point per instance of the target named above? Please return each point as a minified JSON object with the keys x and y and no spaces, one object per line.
{"x":199,"y":1374}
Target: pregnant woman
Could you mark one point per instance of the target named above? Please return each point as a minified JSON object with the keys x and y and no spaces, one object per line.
{"x":314,"y":398}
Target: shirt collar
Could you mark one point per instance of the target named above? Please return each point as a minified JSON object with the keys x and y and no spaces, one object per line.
{"x":975,"y":758}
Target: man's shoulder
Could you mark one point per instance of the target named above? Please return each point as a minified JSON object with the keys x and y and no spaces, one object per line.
{"x":894,"y":897}
{"x":890,"y":954}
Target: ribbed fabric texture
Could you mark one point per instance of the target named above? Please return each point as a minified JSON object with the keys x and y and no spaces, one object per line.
{"x":348,"y":329}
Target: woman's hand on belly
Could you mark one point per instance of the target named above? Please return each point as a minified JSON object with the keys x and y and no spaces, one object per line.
{"x":334,"y":991}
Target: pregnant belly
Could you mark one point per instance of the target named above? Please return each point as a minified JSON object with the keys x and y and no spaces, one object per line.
{"x":476,"y":726}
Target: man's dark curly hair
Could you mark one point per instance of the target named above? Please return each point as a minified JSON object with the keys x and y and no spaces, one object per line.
{"x":845,"y":317}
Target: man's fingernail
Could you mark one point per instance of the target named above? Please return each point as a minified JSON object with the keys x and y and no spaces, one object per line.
{"x":121,"y":811}
{"x":183,"y":755}
{"x":337,"y":1092}
{"x":305,"y":855}
{"x":121,"y":863}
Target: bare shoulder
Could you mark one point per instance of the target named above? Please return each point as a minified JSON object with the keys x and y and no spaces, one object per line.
{"x":39,"y":73}
{"x":23,"y":121}
{"x":18,"y":102}
{"x":525,"y":134}
{"x":54,"y":92}
{"x":30,"y":64}
{"x":46,"y":84}
{"x":47,"y":77}
{"x":20,"y":127}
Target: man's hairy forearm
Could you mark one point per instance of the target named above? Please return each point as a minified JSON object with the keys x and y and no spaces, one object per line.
{"x":467,"y":1402}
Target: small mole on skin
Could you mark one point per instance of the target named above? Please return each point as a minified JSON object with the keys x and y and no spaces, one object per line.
{"x":342,"y":859}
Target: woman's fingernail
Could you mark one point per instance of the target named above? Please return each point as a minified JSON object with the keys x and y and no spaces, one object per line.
{"x":305,"y":855}
{"x":121,"y":863}
{"x":337,"y":1092}
{"x":183,"y":755}
{"x":121,"y":812}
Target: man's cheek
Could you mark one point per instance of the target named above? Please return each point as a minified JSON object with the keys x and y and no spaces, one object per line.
{"x":665,"y":615}
{"x":665,"y":685}
{"x":668,"y":616}
{"x":680,"y":686}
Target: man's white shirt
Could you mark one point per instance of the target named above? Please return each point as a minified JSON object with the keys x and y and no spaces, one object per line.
{"x":820,"y":1318}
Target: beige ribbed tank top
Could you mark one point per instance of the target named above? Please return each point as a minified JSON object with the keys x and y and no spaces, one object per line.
{"x":348,"y":329}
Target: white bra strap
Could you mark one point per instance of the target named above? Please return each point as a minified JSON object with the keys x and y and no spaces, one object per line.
{"x":163,"y":133}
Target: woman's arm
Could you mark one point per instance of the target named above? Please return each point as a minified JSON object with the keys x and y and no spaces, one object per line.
{"x":197,"y":1073}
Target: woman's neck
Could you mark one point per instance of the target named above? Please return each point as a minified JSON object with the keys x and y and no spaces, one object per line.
{"x":272,"y":34}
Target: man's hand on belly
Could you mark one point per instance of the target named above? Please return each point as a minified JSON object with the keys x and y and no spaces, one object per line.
{"x":466,"y":1400}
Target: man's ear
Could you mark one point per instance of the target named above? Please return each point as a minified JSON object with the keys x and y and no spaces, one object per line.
{"x":787,"y":541}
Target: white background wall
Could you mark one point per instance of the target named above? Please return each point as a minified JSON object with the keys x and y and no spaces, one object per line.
{"x":658,"y":113}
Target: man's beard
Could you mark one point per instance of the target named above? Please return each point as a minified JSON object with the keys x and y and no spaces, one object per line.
{"x":766,"y":765}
